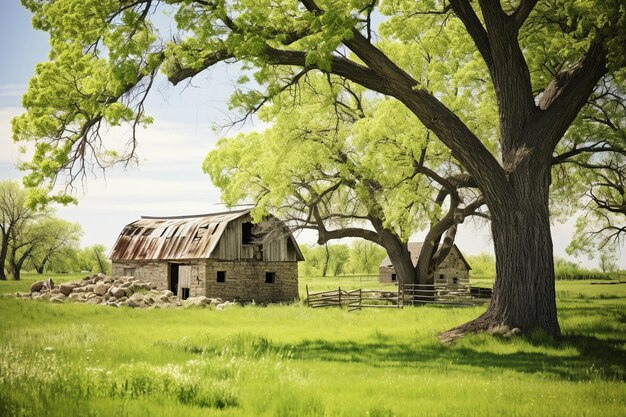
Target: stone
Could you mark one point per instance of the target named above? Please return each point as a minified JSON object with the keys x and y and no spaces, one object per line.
{"x":67,"y":287}
{"x":216,"y":301}
{"x":199,"y":301}
{"x":117,"y":292}
{"x":57,"y":299}
{"x":94,"y":300}
{"x":37,"y":286}
{"x":167,"y":293}
{"x":130,"y":303}
{"x":101,"y":288}
{"x":77,"y":296}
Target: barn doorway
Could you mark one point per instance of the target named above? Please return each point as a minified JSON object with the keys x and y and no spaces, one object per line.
{"x":173,"y":281}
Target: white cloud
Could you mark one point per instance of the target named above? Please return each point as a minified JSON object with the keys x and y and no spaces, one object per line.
{"x":8,"y":150}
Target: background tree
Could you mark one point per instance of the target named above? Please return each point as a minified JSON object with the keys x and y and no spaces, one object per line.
{"x":94,"y":259}
{"x":360,"y":257}
{"x":543,"y":60}
{"x":365,"y":257}
{"x":607,"y":262}
{"x":58,"y":238}
{"x":14,"y":217}
{"x":590,"y":171}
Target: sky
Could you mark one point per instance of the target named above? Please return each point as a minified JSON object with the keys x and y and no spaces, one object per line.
{"x":168,"y":179}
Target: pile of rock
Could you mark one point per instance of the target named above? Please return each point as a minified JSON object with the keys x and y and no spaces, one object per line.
{"x":117,"y":292}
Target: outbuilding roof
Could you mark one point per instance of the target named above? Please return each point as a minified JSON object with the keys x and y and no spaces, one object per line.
{"x":173,"y":238}
{"x":415,"y":249}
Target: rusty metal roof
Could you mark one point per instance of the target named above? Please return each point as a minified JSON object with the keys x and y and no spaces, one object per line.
{"x":175,"y":238}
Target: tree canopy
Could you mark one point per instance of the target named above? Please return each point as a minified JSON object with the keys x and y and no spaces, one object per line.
{"x":539,"y":61}
{"x":346,"y":165}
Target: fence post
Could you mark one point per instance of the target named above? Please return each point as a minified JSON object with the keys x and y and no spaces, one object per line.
{"x":339,"y":292}
{"x":398,"y":297}
{"x":360,"y":300}
{"x":308,"y":300}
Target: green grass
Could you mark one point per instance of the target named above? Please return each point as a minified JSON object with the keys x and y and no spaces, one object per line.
{"x":28,"y":278}
{"x":81,"y":360}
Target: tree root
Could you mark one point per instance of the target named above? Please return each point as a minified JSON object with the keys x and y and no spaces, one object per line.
{"x":482,"y":324}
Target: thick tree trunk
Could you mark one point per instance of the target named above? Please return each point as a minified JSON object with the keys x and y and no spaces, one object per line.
{"x":4,"y":250}
{"x":523,"y":294}
{"x":326,"y":261}
{"x":398,"y":253}
{"x":400,"y":258}
{"x":17,"y":264}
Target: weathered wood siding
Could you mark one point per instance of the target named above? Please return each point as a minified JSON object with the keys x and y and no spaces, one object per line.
{"x":231,"y":248}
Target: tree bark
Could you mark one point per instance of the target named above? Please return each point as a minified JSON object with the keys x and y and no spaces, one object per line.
{"x":16,"y":264}
{"x":524,"y":296}
{"x":326,"y":260}
{"x":4,"y":247}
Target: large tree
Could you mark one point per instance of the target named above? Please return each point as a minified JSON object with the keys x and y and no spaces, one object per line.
{"x":542,"y":59}
{"x":345,"y":165}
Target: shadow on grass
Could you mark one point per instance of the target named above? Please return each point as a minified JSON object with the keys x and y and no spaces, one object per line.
{"x":596,"y":359}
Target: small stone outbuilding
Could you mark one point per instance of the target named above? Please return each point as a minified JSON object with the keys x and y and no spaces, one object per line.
{"x":219,"y":255}
{"x":453,"y":271}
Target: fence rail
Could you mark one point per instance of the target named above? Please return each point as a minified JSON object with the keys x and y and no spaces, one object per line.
{"x":409,"y":294}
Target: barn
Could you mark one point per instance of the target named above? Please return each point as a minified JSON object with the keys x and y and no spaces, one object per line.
{"x":218,"y":255}
{"x":453,"y":271}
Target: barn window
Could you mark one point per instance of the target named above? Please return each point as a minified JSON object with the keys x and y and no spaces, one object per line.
{"x":270,"y":277}
{"x":129,"y":272}
{"x":441,"y":277}
{"x":221,"y":276}
{"x":394,"y":277}
{"x":455,"y":280}
{"x":246,"y":233}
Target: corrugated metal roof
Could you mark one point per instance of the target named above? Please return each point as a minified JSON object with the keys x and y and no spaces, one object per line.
{"x":415,"y":248}
{"x":175,"y":238}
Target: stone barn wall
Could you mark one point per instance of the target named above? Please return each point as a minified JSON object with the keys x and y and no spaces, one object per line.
{"x":386,"y":274}
{"x":157,"y":272}
{"x":148,"y":271}
{"x":246,"y":281}
{"x":452,"y":271}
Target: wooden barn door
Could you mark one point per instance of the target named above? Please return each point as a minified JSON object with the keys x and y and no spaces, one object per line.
{"x":184,"y":281}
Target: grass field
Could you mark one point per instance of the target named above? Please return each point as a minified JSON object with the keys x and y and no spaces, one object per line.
{"x":81,"y":360}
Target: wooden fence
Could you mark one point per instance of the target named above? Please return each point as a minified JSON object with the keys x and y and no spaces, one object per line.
{"x":354,"y":299}
{"x":409,"y":294}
